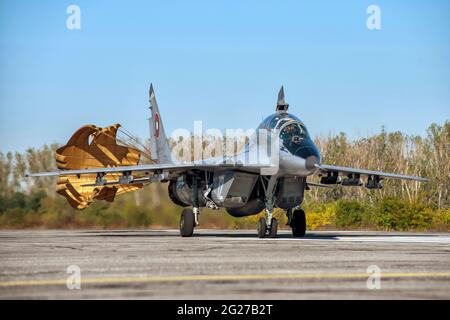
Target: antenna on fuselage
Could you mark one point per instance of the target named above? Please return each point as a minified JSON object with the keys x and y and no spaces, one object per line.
{"x":282,"y":105}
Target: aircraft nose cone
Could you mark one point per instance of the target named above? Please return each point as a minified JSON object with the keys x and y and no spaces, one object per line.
{"x":311,"y":162}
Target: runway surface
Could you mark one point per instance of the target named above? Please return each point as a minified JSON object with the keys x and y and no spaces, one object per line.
{"x":158,"y":264}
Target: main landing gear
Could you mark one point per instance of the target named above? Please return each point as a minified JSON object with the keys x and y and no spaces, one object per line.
{"x":189,"y":217}
{"x":297,"y":221}
{"x":188,"y":221}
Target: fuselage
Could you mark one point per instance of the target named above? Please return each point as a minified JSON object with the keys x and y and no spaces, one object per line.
{"x":289,"y":155}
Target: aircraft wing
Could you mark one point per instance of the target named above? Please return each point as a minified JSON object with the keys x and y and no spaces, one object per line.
{"x":327,"y":169}
{"x":146,"y":168}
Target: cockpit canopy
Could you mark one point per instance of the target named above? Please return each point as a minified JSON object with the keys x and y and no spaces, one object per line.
{"x":293,"y":134}
{"x":294,"y":131}
{"x":289,"y":125}
{"x":275,"y":121}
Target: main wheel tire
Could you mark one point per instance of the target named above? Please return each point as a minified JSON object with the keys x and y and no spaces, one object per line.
{"x":261,"y":227}
{"x":298,"y":223}
{"x":187,"y":223}
{"x":273,"y":228}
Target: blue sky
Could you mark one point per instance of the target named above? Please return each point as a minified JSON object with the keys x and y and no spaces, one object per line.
{"x":221,"y":62}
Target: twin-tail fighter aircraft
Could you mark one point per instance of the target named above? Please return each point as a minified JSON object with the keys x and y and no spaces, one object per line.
{"x":94,"y":166}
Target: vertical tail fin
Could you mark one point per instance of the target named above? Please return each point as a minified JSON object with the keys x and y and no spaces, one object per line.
{"x":159,"y":145}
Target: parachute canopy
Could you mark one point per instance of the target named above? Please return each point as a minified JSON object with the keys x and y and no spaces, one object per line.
{"x":93,"y":147}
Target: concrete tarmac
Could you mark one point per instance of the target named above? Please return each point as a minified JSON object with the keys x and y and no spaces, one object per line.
{"x":216,"y":264}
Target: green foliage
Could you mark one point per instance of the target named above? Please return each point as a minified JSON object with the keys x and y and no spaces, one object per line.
{"x":441,"y":220}
{"x":13,"y":217}
{"x":34,"y":200}
{"x":349,"y":214}
{"x":394,"y":214}
{"x":136,"y":216}
{"x":320,"y":215}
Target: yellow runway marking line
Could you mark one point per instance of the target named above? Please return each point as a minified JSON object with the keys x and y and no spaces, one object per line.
{"x":242,"y":277}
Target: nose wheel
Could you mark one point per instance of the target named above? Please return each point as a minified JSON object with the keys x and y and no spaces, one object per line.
{"x":261,"y":227}
{"x":273,"y":229}
{"x":264,"y":230}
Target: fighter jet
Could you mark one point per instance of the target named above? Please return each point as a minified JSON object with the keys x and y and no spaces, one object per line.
{"x":277,"y":178}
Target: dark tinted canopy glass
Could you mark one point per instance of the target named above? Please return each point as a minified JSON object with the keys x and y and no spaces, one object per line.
{"x":276,"y":121}
{"x":293,"y":131}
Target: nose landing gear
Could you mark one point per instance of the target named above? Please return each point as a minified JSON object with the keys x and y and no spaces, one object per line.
{"x":268,"y":227}
{"x":264,"y":230}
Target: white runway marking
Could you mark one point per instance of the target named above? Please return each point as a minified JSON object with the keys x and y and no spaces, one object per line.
{"x":344,"y":236}
{"x":388,"y":239}
{"x":408,"y":239}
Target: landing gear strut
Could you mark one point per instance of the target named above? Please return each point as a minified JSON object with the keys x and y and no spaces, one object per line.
{"x":268,"y":227}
